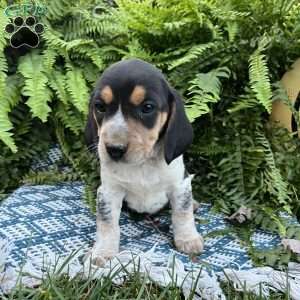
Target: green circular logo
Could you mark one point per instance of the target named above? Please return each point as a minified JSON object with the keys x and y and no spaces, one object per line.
{"x":29,"y":9}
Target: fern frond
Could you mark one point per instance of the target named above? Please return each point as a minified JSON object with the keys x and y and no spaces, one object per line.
{"x":54,"y":40}
{"x":76,"y":86}
{"x":245,"y":101}
{"x":290,"y":10}
{"x":91,"y":73}
{"x":35,"y":88}
{"x":89,"y":51}
{"x":57,"y":81}
{"x":204,"y":89}
{"x":83,"y":48}
{"x":53,"y":176}
{"x":49,"y":57}
{"x":243,"y":104}
{"x":56,"y":9}
{"x":135,"y":50}
{"x":12,"y":90}
{"x":70,"y":117}
{"x":86,"y":23}
{"x":259,"y":79}
{"x":277,"y":186}
{"x":232,"y":178}
{"x":10,"y":98}
{"x":3,"y":23}
{"x":6,"y":126}
{"x":227,"y":14}
{"x":193,"y":53}
{"x":232,"y":29}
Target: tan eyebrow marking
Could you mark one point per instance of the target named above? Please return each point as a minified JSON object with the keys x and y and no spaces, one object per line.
{"x":107,"y":94}
{"x":138,"y":95}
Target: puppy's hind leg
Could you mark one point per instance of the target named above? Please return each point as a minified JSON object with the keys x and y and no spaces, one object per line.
{"x":186,"y":237}
{"x":109,"y":203}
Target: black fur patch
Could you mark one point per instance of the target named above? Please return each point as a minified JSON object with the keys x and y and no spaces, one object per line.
{"x":103,"y":208}
{"x":187,"y":200}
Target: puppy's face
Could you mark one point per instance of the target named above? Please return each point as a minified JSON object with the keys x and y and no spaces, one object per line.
{"x":131,"y":109}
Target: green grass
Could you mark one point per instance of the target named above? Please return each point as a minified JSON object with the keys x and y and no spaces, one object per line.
{"x":62,"y":287}
{"x":135,"y":287}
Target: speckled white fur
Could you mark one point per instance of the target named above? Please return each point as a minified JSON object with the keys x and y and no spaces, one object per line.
{"x":146,"y":187}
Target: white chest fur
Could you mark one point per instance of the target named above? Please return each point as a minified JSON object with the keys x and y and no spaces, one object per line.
{"x":146,"y":185}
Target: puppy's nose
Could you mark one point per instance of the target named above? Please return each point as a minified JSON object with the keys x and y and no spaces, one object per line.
{"x":116,"y":152}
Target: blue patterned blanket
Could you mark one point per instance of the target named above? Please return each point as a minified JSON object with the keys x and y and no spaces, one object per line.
{"x":44,"y":220}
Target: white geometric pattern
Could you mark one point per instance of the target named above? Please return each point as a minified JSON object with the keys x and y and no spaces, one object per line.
{"x":47,"y":219}
{"x":40,"y":220}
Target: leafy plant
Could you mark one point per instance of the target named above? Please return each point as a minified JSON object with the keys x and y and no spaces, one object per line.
{"x":205,"y":88}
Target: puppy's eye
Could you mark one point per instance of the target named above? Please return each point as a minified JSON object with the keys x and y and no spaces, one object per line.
{"x":147,"y":108}
{"x":100,"y":106}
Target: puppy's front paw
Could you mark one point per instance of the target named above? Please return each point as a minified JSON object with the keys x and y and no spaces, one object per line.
{"x":193,"y":245}
{"x":99,"y":257}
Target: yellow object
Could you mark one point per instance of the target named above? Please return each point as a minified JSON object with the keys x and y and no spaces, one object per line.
{"x":291,"y":82}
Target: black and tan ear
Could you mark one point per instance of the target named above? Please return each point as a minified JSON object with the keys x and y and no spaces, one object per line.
{"x":179,"y":133}
{"x":91,"y":129}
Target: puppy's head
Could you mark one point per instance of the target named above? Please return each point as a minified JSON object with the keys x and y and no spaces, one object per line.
{"x":132,"y":109}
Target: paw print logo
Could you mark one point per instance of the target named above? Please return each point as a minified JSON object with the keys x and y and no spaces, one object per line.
{"x":24,"y":32}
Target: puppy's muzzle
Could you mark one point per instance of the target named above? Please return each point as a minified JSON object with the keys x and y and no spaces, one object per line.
{"x":116,"y":152}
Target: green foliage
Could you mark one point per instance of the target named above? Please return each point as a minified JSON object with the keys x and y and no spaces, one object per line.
{"x":138,"y":285}
{"x":224,"y":58}
{"x":10,"y":98}
{"x":77,"y":88}
{"x":35,"y":85}
{"x":5,"y":105}
{"x":54,"y":82}
{"x":193,"y":53}
{"x":259,"y":79}
{"x":205,"y":88}
{"x":278,"y":257}
{"x":32,"y":139}
{"x":51,"y":176}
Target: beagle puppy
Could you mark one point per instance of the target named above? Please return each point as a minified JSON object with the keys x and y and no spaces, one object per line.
{"x":138,"y":123}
